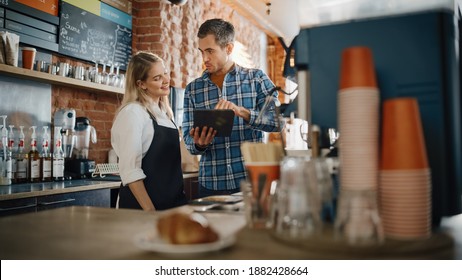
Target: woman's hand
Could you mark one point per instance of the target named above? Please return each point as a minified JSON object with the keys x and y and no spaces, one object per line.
{"x":139,"y":192}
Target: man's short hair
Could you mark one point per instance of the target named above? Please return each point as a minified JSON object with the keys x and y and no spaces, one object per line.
{"x":221,"y":29}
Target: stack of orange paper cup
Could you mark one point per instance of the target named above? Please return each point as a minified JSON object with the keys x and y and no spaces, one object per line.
{"x":358,"y":118}
{"x":405,"y":177}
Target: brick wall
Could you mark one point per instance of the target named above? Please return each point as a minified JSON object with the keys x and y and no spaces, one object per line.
{"x":170,"y":31}
{"x":98,"y":107}
{"x":276,"y":58}
{"x":174,"y":35}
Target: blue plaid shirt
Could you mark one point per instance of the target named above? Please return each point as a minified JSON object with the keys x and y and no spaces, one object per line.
{"x":222,"y":164}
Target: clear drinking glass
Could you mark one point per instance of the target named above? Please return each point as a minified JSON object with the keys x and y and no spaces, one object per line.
{"x":258,"y":192}
{"x":320,"y":168}
{"x":298,"y":200}
{"x":358,"y":221}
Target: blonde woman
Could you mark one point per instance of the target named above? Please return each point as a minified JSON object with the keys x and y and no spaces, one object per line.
{"x":146,"y":139}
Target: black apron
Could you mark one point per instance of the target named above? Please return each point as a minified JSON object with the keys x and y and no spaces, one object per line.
{"x":162,"y":166}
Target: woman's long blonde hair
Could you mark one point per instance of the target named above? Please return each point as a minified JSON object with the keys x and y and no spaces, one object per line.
{"x":138,"y":70}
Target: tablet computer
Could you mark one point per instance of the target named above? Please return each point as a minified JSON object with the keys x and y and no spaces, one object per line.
{"x":221,"y":120}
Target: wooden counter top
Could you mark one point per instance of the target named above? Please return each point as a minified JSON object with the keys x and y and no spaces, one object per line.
{"x":104,"y":233}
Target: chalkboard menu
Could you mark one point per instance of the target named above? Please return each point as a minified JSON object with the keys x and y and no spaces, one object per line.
{"x":89,"y":37}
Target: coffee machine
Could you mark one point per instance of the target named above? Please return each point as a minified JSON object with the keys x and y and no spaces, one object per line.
{"x":79,"y":166}
{"x":65,"y":118}
{"x":76,"y":134}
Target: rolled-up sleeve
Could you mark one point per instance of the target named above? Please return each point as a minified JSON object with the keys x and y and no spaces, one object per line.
{"x":131,"y":135}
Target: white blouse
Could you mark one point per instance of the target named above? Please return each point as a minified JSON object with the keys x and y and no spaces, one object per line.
{"x":131,"y":136}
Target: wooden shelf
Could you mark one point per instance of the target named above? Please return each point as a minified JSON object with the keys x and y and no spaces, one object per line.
{"x":42,"y":77}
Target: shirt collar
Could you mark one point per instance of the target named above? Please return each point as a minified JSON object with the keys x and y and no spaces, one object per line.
{"x":235,"y":69}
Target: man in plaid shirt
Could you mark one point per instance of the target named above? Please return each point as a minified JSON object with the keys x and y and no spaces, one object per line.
{"x":225,"y":85}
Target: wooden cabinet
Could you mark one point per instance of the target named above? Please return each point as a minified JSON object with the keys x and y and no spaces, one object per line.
{"x":191,"y":185}
{"x":18,"y":206}
{"x":98,"y":198}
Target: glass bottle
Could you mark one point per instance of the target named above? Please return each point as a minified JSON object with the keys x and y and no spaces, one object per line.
{"x":11,"y":155}
{"x":58,"y":156}
{"x":21,"y":159}
{"x":45,"y":157}
{"x":34,"y":158}
{"x":5,"y":156}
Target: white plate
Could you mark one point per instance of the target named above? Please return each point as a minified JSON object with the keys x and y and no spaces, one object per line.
{"x":151,"y":241}
{"x":237,"y":208}
{"x":219,"y":199}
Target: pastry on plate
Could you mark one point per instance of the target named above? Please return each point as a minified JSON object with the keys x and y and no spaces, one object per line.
{"x":185,"y":228}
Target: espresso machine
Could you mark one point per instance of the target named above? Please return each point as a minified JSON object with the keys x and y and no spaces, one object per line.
{"x":79,"y":166}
